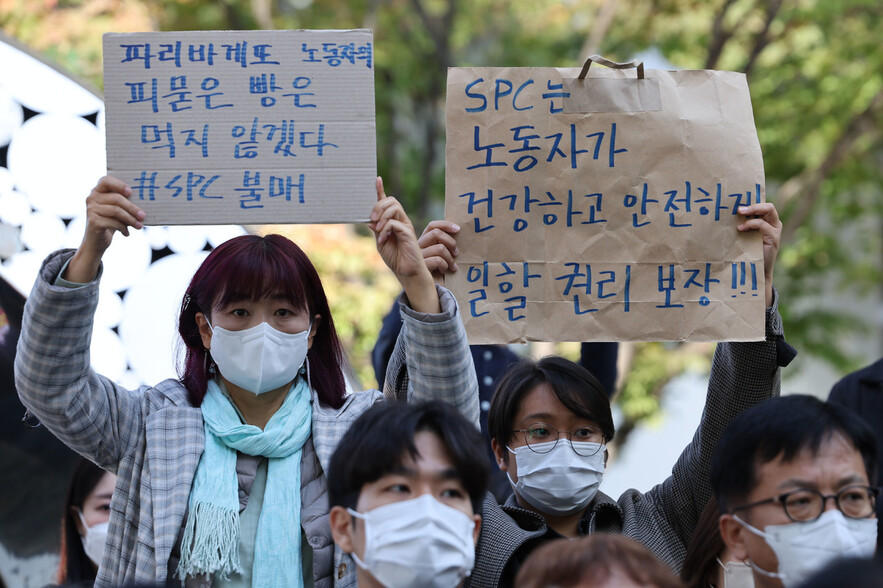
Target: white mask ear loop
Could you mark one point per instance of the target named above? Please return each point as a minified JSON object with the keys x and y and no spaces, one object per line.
{"x":356,"y":515}
{"x":83,"y":520}
{"x":750,"y":563}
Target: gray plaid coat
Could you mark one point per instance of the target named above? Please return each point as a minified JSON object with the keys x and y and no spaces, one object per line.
{"x":152,"y":438}
{"x":663,"y":519}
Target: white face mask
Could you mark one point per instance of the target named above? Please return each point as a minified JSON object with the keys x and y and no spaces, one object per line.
{"x":559,"y":482}
{"x":805,"y":548}
{"x":94,"y":539}
{"x":737,"y":574}
{"x":418,"y":542}
{"x":261,"y":358}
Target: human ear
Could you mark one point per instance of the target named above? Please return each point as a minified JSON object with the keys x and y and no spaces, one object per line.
{"x":477,"y":531}
{"x":733,"y":534}
{"x":342,"y":529}
{"x":317,"y":320}
{"x":500,"y":455}
{"x":205,"y":331}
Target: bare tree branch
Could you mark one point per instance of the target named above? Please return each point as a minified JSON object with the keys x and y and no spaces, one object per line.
{"x":763,"y":38}
{"x":439,"y":30}
{"x":599,"y":29}
{"x":800,"y":193}
{"x":719,"y":36}
{"x":262,"y":12}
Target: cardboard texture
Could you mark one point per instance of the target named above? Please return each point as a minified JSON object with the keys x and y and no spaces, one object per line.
{"x":243,"y":127}
{"x":603,"y":209}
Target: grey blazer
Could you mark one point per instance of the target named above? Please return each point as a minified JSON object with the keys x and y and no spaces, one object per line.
{"x":152,"y":438}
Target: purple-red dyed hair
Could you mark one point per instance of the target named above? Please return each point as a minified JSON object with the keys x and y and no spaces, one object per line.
{"x":248,"y":268}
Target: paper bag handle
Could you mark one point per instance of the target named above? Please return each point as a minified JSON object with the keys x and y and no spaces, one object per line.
{"x":612,"y":64}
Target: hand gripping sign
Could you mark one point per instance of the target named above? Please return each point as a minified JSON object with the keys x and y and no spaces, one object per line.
{"x":601,"y":204}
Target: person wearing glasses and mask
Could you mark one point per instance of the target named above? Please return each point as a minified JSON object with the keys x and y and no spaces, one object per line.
{"x":795,"y":480}
{"x":550,"y":422}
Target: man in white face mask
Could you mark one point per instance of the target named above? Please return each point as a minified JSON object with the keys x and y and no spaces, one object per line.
{"x":795,"y":479}
{"x":404,"y":485}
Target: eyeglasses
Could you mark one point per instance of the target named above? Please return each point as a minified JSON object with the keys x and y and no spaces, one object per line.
{"x":804,"y":505}
{"x":542,"y":438}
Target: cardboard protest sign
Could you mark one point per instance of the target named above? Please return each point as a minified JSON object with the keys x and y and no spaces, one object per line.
{"x":603,"y":209}
{"x":243,"y":126}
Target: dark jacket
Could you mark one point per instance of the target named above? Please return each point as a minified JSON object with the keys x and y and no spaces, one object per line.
{"x":862,"y":391}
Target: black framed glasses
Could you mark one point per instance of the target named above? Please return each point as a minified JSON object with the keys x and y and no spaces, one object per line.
{"x":543,"y":438}
{"x":804,"y":505}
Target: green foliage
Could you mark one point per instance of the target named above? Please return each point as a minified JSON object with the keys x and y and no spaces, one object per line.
{"x":653,"y":366}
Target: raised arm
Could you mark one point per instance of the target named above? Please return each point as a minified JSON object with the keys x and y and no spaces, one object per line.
{"x":742,"y":375}
{"x":431,"y":359}
{"x":53,"y":377}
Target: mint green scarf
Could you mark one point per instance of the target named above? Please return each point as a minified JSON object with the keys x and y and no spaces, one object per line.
{"x":211,"y":537}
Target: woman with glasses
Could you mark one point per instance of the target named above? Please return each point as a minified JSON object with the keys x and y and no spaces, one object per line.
{"x":550,"y":423}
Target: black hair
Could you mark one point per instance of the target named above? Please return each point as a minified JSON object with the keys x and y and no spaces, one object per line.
{"x":700,"y":565}
{"x":378,"y":441}
{"x":782,"y":426}
{"x":74,"y":565}
{"x":575,"y":387}
{"x":848,"y":571}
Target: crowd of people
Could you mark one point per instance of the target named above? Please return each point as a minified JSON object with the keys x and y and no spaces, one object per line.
{"x":255,"y":467}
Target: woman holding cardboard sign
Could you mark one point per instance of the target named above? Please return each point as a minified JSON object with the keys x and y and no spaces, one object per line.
{"x":550,"y":422}
{"x":221,"y":472}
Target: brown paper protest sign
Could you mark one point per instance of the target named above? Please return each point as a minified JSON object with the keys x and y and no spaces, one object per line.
{"x":243,"y":127}
{"x":603,"y":209}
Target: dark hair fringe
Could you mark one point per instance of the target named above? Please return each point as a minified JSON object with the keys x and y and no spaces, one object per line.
{"x":577,"y":389}
{"x":782,"y":426}
{"x":378,"y":441}
{"x":74,"y":565}
{"x":251,"y":267}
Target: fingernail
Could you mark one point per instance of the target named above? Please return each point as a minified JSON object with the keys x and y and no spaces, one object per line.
{"x":743,"y":209}
{"x":456,"y":227}
{"x":456,"y":251}
{"x":141,"y":215}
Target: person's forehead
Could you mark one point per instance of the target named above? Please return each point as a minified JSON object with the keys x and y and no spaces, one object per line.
{"x":542,"y":404}
{"x":433,"y":456}
{"x":836,"y":463}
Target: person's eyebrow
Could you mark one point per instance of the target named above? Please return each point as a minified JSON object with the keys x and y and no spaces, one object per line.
{"x":107,"y":496}
{"x":401,"y":470}
{"x":449,"y":474}
{"x":797,"y":483}
{"x":537,"y":415}
{"x":801,"y":483}
{"x":851,"y":480}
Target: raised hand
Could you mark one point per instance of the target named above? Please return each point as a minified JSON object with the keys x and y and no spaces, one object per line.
{"x":764,"y":218}
{"x":438,"y":245}
{"x":108,"y":209}
{"x":397,"y":245}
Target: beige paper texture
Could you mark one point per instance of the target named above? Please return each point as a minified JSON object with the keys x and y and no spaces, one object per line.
{"x":617,"y":225}
{"x":243,"y":127}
